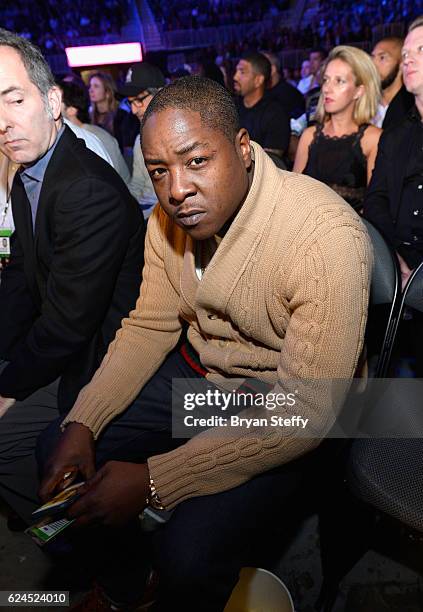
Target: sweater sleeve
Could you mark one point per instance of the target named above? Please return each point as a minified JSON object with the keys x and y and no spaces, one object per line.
{"x":328,"y":292}
{"x":143,"y":341}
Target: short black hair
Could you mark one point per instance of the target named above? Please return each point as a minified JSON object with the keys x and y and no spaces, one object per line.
{"x":322,"y":52}
{"x":211,"y":71}
{"x":260,"y":64}
{"x":396,"y":40}
{"x":273,"y":59}
{"x":200,"y":95}
{"x":76,"y":96}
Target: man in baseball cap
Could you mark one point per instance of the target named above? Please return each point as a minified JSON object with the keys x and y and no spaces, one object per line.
{"x":143,"y":80}
{"x":141,"y":77}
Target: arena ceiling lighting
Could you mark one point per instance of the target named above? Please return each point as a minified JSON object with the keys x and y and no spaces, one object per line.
{"x":97,"y":55}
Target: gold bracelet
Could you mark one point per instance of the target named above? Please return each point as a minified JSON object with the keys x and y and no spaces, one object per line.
{"x":153,"y":500}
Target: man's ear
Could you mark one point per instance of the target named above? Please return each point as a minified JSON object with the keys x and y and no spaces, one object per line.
{"x":259,"y":80}
{"x":243,"y":145}
{"x":54,"y":98}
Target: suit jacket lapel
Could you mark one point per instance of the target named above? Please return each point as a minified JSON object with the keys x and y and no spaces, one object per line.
{"x":50,"y":178}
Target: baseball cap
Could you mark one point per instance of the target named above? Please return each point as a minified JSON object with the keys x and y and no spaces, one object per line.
{"x":141,"y":76}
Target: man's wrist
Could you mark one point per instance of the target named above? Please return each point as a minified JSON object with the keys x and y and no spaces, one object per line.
{"x":77,"y":426}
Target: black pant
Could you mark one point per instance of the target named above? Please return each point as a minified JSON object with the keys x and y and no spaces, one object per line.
{"x":199,"y":552}
{"x":19,"y":430}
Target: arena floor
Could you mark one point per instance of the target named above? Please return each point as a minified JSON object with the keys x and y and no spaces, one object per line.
{"x":375,"y":584}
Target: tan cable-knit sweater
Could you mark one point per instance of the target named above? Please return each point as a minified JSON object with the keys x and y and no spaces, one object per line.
{"x":283,"y":298}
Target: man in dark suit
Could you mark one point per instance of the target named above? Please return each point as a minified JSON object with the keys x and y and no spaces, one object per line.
{"x":396,"y":100}
{"x":76,"y":260}
{"x":394,"y":201}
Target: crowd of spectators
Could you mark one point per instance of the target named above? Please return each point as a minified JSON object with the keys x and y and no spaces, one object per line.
{"x":175,"y":15}
{"x":346,"y":21}
{"x":349,"y":21}
{"x":343,"y":23}
{"x":61,"y":23}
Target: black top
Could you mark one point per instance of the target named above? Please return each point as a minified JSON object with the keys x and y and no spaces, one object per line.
{"x":267,"y":123}
{"x":340,"y":163}
{"x":288,"y":97}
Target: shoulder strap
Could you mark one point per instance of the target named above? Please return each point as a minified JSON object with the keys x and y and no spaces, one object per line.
{"x":363,"y":127}
{"x":317,"y":133}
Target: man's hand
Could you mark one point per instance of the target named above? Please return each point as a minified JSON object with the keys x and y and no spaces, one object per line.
{"x":405,"y":271}
{"x":114,"y":496}
{"x":5,"y":403}
{"x":74,"y":455}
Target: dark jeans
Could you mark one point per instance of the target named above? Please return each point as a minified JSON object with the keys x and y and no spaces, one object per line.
{"x":19,"y":430}
{"x":198,"y":553}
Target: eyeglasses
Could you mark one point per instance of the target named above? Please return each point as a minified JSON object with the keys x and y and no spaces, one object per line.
{"x":138,"y":100}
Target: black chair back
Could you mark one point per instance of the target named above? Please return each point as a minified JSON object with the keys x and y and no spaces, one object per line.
{"x":385,"y":290}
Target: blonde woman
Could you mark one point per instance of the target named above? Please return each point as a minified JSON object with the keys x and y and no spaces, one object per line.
{"x":341,"y":149}
{"x":101,"y":89}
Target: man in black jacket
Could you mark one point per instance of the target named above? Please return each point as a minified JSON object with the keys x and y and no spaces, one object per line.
{"x":394,"y":201}
{"x":76,"y":260}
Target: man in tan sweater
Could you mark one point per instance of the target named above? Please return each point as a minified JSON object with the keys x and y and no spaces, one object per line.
{"x":269,"y":273}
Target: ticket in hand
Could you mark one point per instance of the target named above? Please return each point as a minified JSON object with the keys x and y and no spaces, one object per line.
{"x":59,"y":502}
{"x":44,"y":531}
